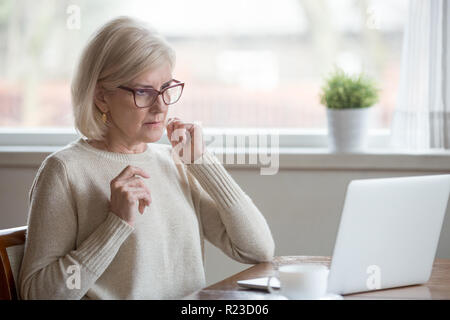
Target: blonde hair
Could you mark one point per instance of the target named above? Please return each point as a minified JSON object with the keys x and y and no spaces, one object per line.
{"x":117,"y":53}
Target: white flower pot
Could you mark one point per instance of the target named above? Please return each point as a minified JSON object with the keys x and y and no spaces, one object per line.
{"x":348,"y":129}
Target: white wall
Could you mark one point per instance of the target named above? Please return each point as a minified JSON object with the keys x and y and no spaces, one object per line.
{"x":302,"y":207}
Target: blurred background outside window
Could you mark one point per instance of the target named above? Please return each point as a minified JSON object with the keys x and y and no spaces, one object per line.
{"x":246,"y":64}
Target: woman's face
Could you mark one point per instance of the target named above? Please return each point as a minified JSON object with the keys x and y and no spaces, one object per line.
{"x":128,"y":123}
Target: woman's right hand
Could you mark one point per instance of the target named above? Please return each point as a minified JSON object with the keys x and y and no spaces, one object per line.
{"x":126,"y":190}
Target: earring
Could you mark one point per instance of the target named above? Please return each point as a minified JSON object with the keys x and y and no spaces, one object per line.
{"x":104,"y":118}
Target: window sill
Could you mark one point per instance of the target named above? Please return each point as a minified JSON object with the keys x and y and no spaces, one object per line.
{"x":289,"y":158}
{"x":301,"y":149}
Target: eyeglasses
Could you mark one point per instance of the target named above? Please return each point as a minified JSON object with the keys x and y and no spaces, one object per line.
{"x":144,"y":98}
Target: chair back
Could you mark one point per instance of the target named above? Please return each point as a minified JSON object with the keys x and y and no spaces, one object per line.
{"x":12,"y":243}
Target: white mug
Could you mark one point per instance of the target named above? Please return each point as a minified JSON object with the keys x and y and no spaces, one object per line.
{"x":298,"y":282}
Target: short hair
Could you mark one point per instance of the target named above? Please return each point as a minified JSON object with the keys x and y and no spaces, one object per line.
{"x":117,"y":53}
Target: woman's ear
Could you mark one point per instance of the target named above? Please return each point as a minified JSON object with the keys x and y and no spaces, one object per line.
{"x":99,"y":98}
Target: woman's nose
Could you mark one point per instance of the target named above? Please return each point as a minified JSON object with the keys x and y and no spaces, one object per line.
{"x":159,"y":104}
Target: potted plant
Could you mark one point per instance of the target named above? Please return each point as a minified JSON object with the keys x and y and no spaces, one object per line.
{"x":348,"y":100}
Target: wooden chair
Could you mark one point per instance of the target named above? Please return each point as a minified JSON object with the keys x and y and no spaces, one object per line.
{"x":12,"y":242}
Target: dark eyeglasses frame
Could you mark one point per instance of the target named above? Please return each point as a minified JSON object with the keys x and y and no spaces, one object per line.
{"x":133,"y":90}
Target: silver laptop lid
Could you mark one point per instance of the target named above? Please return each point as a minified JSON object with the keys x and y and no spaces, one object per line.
{"x":389,"y":232}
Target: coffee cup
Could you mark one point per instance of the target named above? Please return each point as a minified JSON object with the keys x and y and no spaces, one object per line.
{"x":301,"y":281}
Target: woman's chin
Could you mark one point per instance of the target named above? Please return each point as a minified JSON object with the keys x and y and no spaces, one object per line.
{"x":153,"y":136}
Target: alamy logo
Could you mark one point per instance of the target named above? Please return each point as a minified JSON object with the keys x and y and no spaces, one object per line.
{"x":73,"y":281}
{"x":260,"y":148}
{"x":374,"y":280}
{"x":74,"y":18}
{"x":373,"y":19}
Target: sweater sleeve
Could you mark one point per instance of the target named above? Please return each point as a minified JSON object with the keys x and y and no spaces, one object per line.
{"x":52,"y":266}
{"x":229,"y":218}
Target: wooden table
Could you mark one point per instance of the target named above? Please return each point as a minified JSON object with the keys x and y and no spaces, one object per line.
{"x":438,"y":287}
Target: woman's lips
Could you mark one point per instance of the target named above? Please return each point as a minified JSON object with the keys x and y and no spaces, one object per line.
{"x":153,"y":124}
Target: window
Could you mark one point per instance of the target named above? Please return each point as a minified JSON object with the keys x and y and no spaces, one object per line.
{"x":246,"y":64}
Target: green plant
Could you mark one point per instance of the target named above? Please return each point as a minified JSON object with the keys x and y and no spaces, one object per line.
{"x":342,"y":91}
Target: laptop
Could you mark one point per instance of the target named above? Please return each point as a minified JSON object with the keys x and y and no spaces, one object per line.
{"x":388,"y":234}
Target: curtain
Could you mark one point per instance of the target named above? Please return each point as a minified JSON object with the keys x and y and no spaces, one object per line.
{"x":421,"y":119}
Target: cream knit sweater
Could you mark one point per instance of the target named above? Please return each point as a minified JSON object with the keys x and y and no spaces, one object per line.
{"x":77,"y":249}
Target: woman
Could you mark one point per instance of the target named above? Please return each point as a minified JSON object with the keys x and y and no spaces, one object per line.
{"x":115,"y":216}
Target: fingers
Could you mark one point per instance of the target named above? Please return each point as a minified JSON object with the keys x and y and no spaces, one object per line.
{"x":139,"y":194}
{"x":175,"y":123}
{"x":171,"y":120}
{"x":142,"y":197}
{"x":194,"y":129}
{"x":131,"y":171}
{"x":136,"y":182}
{"x":189,"y":125}
{"x":142,"y":205}
{"x":127,"y":188}
{"x":176,"y":130}
{"x":170,"y":126}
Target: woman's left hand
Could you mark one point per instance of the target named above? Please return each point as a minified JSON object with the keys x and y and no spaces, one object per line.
{"x":186,"y":138}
